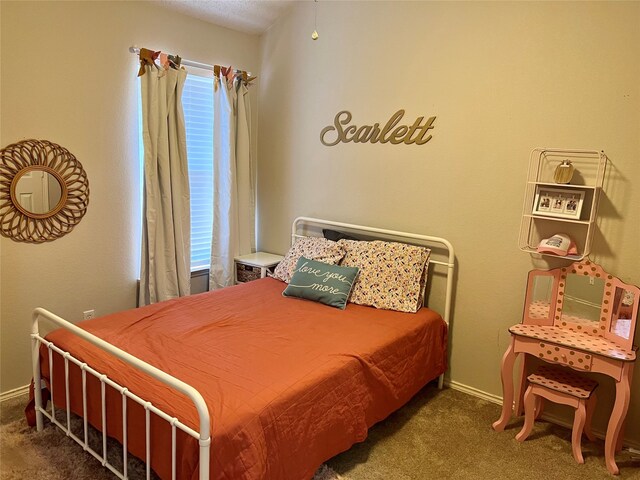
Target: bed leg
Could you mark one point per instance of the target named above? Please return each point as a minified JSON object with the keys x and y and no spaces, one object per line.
{"x":37,"y":381}
{"x":205,"y":446}
{"x":441,"y":381}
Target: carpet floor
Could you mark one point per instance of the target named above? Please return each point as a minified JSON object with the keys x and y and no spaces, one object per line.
{"x":440,"y":434}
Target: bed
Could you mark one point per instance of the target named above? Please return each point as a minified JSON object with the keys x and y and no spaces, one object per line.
{"x":242,"y":382}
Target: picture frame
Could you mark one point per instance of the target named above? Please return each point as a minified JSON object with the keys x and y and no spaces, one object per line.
{"x":558,"y":202}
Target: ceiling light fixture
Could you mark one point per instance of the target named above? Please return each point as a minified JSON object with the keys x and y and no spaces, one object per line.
{"x":314,"y":35}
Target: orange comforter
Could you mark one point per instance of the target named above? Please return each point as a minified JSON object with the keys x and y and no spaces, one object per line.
{"x":289,"y":383}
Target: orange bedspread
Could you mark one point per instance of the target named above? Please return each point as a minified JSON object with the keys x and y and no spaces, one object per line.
{"x":289,"y":383}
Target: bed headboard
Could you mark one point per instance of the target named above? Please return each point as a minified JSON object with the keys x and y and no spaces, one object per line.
{"x":441,"y":262}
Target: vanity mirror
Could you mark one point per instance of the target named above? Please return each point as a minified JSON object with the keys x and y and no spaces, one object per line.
{"x":542,"y":290}
{"x":582,"y":300}
{"x":585,"y":299}
{"x":44,"y":191}
{"x":624,"y":304}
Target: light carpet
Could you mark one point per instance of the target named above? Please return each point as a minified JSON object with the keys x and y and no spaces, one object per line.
{"x":439,"y":434}
{"x":51,"y":455}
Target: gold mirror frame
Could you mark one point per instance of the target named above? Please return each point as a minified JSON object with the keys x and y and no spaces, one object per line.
{"x":22,"y":225}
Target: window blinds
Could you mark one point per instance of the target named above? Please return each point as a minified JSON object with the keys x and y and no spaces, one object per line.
{"x":197,"y":102}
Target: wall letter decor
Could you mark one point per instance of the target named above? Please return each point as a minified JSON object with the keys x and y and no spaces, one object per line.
{"x":416,"y":133}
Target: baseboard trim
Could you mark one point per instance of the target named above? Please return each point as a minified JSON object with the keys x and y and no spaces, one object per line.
{"x":16,"y":392}
{"x":461,"y":387}
{"x":632,"y":445}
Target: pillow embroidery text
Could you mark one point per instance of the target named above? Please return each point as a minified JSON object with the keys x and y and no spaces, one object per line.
{"x":319,"y":273}
{"x":327,"y":276}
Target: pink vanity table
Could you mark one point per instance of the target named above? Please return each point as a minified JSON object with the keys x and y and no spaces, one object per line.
{"x":583,"y":318}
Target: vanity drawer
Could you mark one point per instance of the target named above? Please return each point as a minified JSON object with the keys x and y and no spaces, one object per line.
{"x":564,"y":356}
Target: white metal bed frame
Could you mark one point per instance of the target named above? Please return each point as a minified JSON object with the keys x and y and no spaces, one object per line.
{"x":429,"y":240}
{"x":203,"y":435}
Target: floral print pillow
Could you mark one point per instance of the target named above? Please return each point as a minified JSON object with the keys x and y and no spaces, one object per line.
{"x":314,"y":248}
{"x":391,"y":273}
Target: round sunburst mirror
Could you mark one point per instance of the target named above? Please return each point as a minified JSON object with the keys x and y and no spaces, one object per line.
{"x":44,"y":191}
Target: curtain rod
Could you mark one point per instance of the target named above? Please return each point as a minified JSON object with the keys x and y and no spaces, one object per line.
{"x":189,"y":63}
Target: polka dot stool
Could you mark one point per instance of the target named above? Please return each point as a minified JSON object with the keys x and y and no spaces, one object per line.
{"x":560,"y":385}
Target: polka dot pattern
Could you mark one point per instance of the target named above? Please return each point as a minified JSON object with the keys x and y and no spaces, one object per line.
{"x":574,"y":340}
{"x":572,"y":322}
{"x":539,"y":309}
{"x":564,"y":381}
{"x":564,"y":356}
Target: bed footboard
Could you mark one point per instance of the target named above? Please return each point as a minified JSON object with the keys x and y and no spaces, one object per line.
{"x":203,"y":436}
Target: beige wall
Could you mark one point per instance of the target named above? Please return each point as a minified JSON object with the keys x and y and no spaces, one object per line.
{"x":67,"y":76}
{"x":502,"y":78}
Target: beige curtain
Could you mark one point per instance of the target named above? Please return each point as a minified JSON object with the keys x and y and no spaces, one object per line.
{"x":166,"y":237}
{"x":233,"y":178}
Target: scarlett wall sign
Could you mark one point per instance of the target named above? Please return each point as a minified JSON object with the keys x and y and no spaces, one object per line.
{"x":341,"y":131}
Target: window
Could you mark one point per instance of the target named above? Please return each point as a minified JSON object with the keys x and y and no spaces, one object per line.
{"x":197,"y":102}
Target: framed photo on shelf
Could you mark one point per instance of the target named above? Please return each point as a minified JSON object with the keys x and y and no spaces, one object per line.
{"x":558,"y":202}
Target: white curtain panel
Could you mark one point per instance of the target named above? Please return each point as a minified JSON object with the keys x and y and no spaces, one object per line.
{"x":233,"y":181}
{"x":166,"y":237}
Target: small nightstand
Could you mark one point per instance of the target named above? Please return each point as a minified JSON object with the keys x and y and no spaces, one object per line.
{"x":254,"y":266}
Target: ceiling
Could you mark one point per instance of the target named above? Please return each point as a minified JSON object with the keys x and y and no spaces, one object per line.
{"x":249,"y":16}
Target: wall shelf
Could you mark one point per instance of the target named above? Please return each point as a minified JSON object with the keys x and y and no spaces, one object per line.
{"x":566,"y":220}
{"x":588,"y":179}
{"x":565,"y":185}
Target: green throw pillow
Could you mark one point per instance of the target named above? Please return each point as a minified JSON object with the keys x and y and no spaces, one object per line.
{"x":321,"y":282}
